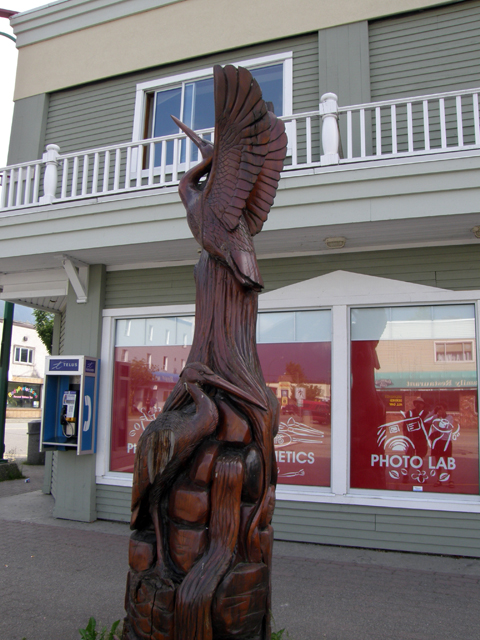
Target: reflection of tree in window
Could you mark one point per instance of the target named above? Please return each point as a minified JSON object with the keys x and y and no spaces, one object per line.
{"x":295,"y":372}
{"x":141,"y":382}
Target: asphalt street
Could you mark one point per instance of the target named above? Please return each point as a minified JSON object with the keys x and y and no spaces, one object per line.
{"x":55,"y":574}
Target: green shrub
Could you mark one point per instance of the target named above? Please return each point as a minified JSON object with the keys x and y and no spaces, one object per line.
{"x":91,"y":633}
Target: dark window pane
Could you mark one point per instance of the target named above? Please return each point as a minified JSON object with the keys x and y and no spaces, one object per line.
{"x":167,"y":103}
{"x":270,"y":80}
{"x":203,"y":112}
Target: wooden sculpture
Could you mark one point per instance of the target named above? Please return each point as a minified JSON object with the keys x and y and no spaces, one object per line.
{"x":205,"y":473}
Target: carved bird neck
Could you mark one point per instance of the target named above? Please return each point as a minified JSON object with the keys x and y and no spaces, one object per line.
{"x":192,"y":195}
{"x":206,"y":410}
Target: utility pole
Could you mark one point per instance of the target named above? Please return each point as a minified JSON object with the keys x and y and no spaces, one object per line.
{"x":7,"y":322}
{"x":4,"y":363}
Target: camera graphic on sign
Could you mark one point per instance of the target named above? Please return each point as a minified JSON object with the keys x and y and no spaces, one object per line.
{"x":399,"y":436}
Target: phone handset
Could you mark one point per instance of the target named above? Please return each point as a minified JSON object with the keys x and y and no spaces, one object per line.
{"x":88,"y":405}
{"x":68,"y":414}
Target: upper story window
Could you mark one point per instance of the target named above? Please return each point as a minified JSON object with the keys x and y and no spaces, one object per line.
{"x":454,"y":351}
{"x":189,"y":97}
{"x":23,"y":355}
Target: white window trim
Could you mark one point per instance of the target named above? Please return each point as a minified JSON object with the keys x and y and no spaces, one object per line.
{"x":152,"y":85}
{"x":341,"y":304}
{"x":103,"y":475}
{"x":25,"y":364}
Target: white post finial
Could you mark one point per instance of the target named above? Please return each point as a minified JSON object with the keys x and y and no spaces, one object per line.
{"x":50,"y":157}
{"x":330,"y":133}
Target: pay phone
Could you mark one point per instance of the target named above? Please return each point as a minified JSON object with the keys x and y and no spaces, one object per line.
{"x":70,"y":404}
{"x":69,"y":413}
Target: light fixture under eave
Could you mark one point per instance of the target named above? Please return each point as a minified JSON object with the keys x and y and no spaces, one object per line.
{"x":476,"y":231}
{"x":337,"y":242}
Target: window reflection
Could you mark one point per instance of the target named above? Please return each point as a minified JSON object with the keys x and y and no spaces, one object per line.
{"x":414,"y":419}
{"x":295,"y":356}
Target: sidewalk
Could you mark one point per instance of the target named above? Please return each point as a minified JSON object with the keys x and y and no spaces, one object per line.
{"x":55,"y":574}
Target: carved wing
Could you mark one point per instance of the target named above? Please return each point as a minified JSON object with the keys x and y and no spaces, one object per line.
{"x":263,"y":193}
{"x":242,"y":135}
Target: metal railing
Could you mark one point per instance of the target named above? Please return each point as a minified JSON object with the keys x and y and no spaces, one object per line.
{"x":437,"y":123}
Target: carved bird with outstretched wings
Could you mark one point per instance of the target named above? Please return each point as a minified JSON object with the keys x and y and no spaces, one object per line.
{"x":243,"y":170}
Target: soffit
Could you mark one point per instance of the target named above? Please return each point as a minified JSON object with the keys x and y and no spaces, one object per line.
{"x":366,"y":236}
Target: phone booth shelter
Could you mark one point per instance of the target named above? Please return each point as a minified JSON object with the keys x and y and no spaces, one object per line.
{"x":70,"y":404}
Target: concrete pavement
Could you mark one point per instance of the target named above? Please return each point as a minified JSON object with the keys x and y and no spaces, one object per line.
{"x":16,"y":438}
{"x":55,"y":574}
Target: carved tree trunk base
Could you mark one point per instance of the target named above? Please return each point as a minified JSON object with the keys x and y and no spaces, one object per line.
{"x":214,"y":581}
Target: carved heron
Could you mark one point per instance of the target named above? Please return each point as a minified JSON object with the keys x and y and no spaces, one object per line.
{"x":168,"y":442}
{"x":243,"y":168}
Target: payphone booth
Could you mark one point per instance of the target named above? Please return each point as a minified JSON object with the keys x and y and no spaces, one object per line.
{"x":70,"y":404}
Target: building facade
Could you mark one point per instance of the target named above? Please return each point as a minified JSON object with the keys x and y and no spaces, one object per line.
{"x":370,"y":257}
{"x":26,"y":372}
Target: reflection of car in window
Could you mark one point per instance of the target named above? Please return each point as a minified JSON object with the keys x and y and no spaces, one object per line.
{"x":291,"y":432}
{"x":319,"y":411}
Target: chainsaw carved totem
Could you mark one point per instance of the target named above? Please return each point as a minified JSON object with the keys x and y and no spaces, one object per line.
{"x":205,"y":472}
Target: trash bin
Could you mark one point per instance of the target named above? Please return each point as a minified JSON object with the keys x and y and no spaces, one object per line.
{"x":34,"y":456}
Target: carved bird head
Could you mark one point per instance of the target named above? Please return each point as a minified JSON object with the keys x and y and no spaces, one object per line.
{"x":199,"y":374}
{"x":205,"y":146}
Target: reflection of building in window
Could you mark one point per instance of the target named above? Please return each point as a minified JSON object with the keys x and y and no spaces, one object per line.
{"x":165,"y":363}
{"x":124,"y":355}
{"x":454,"y":351}
{"x":149,"y":360}
{"x":23,"y":355}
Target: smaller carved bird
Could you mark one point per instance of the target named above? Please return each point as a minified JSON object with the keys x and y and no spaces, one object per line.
{"x":169,"y":441}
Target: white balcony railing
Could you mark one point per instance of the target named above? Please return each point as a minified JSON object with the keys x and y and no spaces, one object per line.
{"x":331,"y":135}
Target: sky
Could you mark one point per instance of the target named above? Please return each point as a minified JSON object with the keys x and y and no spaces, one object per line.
{"x":20,"y":314}
{"x":8,"y":64}
{"x":8,"y":58}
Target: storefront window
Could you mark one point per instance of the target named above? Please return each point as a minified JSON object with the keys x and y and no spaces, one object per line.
{"x":150,"y":354}
{"x":414,"y":411}
{"x":295,"y":354}
{"x":23,"y":396}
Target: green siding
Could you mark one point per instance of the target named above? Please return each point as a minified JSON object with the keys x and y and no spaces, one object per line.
{"x":83,"y":327}
{"x":348,"y":525}
{"x":61,"y":338}
{"x":101,"y":113}
{"x":426,"y":52}
{"x":419,"y":530}
{"x":113,"y":503}
{"x":145,"y":287}
{"x":53,"y":486}
{"x":456,"y":268}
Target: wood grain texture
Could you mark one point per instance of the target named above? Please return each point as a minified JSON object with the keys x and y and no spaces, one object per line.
{"x":205,"y":471}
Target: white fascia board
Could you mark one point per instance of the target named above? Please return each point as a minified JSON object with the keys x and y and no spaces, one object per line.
{"x":48,"y":283}
{"x":66,"y":16}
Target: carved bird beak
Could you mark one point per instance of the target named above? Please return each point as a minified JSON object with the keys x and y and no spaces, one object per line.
{"x":221,"y":383}
{"x":205,"y":146}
